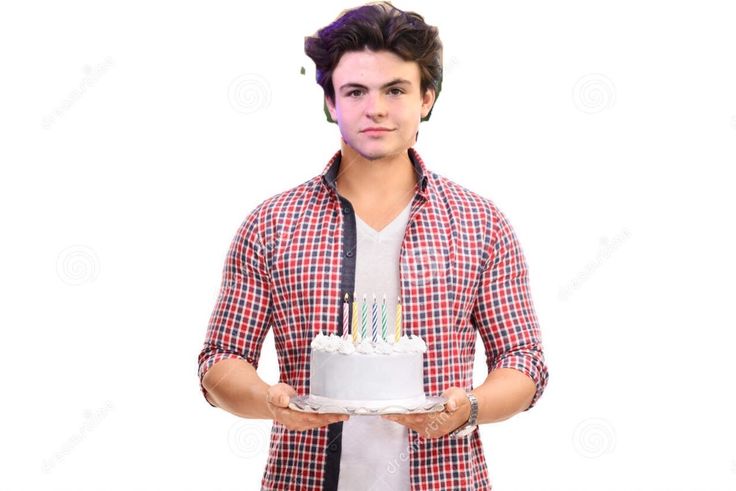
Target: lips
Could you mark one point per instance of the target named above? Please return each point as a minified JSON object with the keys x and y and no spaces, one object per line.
{"x":376,"y":130}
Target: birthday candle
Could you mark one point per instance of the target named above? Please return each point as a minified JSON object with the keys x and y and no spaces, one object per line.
{"x":374,"y":319}
{"x":383,"y":319}
{"x":398,"y":320}
{"x":345,"y":317}
{"x":355,"y":320}
{"x":364,"y":319}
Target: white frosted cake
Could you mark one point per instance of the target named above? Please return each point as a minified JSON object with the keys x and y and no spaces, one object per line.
{"x":371,"y":375}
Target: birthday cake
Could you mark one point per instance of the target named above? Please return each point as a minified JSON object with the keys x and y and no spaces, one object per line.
{"x":369,"y":368}
{"x":370,"y":375}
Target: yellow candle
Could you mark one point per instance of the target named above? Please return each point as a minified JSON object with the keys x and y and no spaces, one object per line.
{"x":355,"y":320}
{"x":398,"y":320}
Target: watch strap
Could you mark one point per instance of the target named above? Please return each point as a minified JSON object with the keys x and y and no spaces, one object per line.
{"x":472,"y":423}
{"x":473,"y":419}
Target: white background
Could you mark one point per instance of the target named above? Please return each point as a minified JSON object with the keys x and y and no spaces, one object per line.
{"x":135,"y":137}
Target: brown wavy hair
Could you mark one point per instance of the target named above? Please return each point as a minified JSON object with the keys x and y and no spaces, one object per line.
{"x":377,"y":26}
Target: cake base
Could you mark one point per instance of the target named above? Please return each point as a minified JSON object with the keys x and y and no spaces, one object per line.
{"x":323,"y":405}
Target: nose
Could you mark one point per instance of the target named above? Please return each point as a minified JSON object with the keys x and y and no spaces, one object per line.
{"x":375,"y":106}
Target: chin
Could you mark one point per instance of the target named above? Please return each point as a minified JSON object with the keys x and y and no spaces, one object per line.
{"x":372,"y":155}
{"x":379,"y":153}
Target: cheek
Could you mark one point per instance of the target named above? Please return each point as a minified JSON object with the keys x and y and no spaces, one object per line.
{"x":409,"y":114}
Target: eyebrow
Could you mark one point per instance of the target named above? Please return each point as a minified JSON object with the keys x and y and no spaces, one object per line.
{"x":395,"y":81}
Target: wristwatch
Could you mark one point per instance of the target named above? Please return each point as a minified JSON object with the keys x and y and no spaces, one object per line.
{"x":472,"y":423}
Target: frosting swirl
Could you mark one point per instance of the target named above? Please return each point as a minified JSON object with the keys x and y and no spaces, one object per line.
{"x":334,"y":343}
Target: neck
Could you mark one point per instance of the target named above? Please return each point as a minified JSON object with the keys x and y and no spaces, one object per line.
{"x":374,"y":179}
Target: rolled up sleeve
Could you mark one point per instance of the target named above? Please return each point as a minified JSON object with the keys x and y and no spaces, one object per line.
{"x":242,"y":313}
{"x":504,"y":312}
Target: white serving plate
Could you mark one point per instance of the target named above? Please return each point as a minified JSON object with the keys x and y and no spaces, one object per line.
{"x":431,"y":404}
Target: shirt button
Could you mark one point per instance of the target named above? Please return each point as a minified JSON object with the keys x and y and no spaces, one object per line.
{"x":333,"y":447}
{"x":349,"y":254}
{"x":346,"y":210}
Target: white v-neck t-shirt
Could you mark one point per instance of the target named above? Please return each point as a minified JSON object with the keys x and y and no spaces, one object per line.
{"x":375,"y":451}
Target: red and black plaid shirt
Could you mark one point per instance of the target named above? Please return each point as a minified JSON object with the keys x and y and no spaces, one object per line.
{"x":462,"y":271}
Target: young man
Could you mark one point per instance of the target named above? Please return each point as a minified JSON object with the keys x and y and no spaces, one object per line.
{"x":376,"y":220}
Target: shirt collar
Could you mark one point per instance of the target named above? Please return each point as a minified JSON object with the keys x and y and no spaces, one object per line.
{"x":329,"y":174}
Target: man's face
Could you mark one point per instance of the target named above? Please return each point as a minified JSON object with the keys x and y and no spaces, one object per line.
{"x":377,"y":89}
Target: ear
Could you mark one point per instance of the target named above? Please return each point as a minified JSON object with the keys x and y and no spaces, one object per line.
{"x":331,"y":109}
{"x":427,"y":101}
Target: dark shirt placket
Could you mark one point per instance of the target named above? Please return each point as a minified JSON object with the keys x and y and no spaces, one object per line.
{"x":347,"y":285}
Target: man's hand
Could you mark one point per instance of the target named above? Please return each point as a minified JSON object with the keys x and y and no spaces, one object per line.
{"x":435,"y":425}
{"x":277,"y":397}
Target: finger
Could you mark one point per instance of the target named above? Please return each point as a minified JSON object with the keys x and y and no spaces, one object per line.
{"x":452,"y":405}
{"x":315,"y":420}
{"x":454,"y":397}
{"x":399,"y":419}
{"x":454,"y":402}
{"x":280,"y":394}
{"x":279,"y":400}
{"x":334,"y":418}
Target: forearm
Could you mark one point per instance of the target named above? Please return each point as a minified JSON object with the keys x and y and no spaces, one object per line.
{"x":234,"y":385}
{"x":504,"y":393}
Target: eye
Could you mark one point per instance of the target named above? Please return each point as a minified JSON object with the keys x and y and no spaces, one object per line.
{"x":350,"y":94}
{"x":397,"y":90}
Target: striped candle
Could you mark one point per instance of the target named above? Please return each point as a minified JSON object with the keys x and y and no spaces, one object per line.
{"x":374,"y":319}
{"x":355,"y":320}
{"x":364,"y":319}
{"x":398,"y":320}
{"x":383,"y":319}
{"x":345,"y":317}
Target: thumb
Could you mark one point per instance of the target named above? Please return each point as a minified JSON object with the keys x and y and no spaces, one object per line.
{"x":279,"y":395}
{"x":279,"y":399}
{"x":452,"y":405}
{"x":454,"y":399}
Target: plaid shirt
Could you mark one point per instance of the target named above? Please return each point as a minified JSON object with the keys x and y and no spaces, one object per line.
{"x":462,"y":271}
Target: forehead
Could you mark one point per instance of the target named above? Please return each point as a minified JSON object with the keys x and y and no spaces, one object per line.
{"x":373,"y":68}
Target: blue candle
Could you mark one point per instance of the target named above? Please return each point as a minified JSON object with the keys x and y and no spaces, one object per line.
{"x":364,"y":319}
{"x":374,"y":318}
{"x":383,"y":319}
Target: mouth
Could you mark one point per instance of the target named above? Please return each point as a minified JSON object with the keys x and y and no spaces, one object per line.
{"x":376,"y":131}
